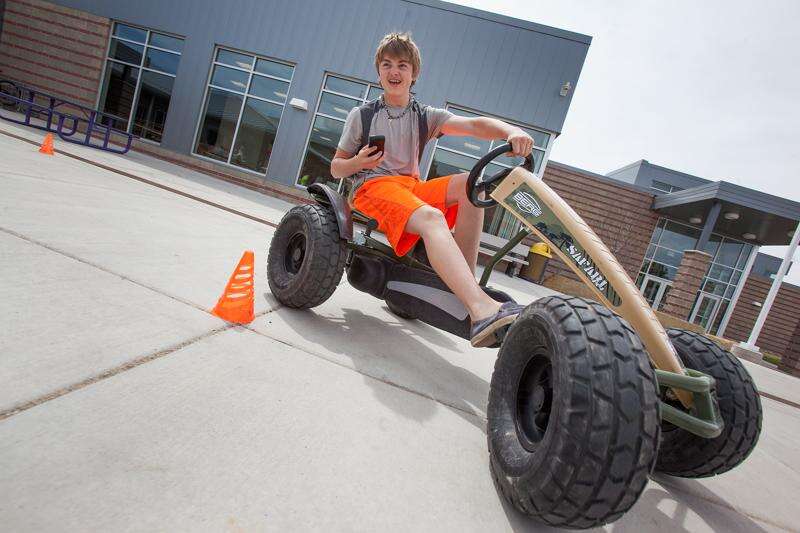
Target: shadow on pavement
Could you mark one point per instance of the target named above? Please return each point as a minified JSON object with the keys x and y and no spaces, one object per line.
{"x":666,"y":508}
{"x":691,"y":495}
{"x":400,"y":353}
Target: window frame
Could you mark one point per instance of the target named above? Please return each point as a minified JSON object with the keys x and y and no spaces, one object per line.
{"x":711,"y":264}
{"x":245,"y":95}
{"x":107,"y":59}
{"x":316,"y":113}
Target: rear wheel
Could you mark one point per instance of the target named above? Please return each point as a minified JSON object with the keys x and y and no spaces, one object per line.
{"x":397,"y":311}
{"x":684,"y":454}
{"x":573,"y":422}
{"x":306,"y":257}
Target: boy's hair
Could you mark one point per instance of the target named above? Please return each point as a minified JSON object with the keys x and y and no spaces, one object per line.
{"x":399,"y":45}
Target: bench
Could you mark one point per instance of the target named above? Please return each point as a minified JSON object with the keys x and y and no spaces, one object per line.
{"x":518,"y":256}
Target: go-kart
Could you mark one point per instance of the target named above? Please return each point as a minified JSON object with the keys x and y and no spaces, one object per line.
{"x":587,"y":398}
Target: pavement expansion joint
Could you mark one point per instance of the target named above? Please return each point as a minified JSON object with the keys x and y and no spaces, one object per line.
{"x":149,"y":182}
{"x":382,"y":379}
{"x":670,"y":483}
{"x":100,"y":267}
{"x":111,"y":372}
{"x":779,"y":399}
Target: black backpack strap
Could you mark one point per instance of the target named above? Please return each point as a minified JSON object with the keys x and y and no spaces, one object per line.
{"x":368,"y":110}
{"x":422,"y":124}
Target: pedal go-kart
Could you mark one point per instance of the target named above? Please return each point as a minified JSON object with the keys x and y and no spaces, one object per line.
{"x":587,"y":398}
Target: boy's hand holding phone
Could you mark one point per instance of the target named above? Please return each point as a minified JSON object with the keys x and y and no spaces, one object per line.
{"x":371,"y":155}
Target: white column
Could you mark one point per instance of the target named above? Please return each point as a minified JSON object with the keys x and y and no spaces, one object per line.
{"x":773,"y":291}
{"x":738,"y":291}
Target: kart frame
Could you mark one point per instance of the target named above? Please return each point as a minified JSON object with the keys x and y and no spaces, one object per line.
{"x":688,"y":398}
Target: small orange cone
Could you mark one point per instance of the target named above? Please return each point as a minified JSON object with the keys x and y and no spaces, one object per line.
{"x":236,"y":303}
{"x":47,"y":145}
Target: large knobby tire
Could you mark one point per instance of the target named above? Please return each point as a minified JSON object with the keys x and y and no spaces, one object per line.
{"x":684,"y":454}
{"x":573,"y":417}
{"x":306,"y":257}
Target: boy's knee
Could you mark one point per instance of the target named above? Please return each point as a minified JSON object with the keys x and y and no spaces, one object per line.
{"x":430,"y":218}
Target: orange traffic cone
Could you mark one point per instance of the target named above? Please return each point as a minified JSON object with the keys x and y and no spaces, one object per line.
{"x":236,"y":303}
{"x":47,"y":145}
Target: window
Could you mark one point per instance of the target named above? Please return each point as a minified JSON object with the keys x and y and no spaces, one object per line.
{"x":459,"y":154}
{"x":243,"y":104}
{"x":660,"y":186}
{"x":338,"y":97}
{"x":137,"y":85}
{"x":663,"y":256}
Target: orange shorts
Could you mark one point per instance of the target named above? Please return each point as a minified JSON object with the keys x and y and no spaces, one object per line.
{"x":391,"y":199}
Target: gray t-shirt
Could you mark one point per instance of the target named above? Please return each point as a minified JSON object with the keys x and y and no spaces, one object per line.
{"x":401,"y":147}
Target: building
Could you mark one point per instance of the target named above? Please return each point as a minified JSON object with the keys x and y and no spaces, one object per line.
{"x":257,"y":93}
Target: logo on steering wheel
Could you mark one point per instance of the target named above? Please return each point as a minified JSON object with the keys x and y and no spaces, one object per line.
{"x":527,"y":204}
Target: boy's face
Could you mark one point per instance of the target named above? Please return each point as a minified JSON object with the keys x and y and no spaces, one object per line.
{"x":396,"y":75}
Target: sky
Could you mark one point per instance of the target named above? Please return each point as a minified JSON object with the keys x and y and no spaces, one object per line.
{"x":707,"y":87}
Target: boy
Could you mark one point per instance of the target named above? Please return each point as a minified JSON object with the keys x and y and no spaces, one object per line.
{"x":387,"y":185}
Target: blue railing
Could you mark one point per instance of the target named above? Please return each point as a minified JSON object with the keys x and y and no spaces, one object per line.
{"x":52,"y":115}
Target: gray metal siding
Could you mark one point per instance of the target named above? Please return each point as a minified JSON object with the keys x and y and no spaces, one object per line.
{"x":649,"y":172}
{"x":628,"y":173}
{"x":643,"y":173}
{"x":512,"y":69}
{"x":734,"y":194}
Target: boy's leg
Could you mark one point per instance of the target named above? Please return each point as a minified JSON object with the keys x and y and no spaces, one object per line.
{"x":469,"y":223}
{"x":448,"y":261}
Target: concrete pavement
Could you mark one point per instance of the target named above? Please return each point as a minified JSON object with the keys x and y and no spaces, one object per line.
{"x":140,"y":411}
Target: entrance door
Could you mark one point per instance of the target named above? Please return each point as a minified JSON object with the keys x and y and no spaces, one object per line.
{"x":705,"y":310}
{"x":654,"y":289}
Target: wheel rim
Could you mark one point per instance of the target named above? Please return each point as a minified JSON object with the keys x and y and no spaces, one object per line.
{"x":295,"y":253}
{"x":534,"y":400}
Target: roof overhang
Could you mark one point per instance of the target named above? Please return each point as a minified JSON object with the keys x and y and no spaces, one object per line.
{"x":771,"y":219}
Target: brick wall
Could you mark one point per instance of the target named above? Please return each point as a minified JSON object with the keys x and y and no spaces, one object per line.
{"x":783,"y":319}
{"x":619,"y":214}
{"x":2,"y":11}
{"x":691,"y":271}
{"x":53,"y":48}
{"x":790,"y":361}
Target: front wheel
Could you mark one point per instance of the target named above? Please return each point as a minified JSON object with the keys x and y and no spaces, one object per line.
{"x":306,"y":257}
{"x":573,"y":419}
{"x":684,"y":454}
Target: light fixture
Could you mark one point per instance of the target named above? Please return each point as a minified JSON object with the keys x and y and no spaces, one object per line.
{"x":565,"y":89}
{"x":749,"y":236}
{"x":730,"y":215}
{"x":297,"y":103}
{"x":695,"y":220}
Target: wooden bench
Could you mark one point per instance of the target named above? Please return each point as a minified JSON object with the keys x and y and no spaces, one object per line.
{"x":518,"y":256}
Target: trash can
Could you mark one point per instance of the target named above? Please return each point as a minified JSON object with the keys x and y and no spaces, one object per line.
{"x":537,"y":262}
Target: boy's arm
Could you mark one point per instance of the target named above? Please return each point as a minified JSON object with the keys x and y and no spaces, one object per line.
{"x":490,"y":128}
{"x":348,"y":159}
{"x":345,"y":164}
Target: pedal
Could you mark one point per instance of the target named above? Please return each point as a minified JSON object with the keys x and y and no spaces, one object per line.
{"x":499,"y":336}
{"x":371,"y":225}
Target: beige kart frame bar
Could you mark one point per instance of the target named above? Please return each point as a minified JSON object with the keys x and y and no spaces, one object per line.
{"x":549,"y":217}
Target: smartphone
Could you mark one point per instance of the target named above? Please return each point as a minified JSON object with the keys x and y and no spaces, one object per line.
{"x":377,"y":141}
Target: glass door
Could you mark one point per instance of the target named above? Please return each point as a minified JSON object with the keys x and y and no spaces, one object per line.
{"x":654,"y":291}
{"x":705,"y":310}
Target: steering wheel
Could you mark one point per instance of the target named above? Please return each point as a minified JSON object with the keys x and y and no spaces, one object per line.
{"x":487,"y":184}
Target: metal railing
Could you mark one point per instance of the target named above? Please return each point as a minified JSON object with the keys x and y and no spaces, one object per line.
{"x":72,"y":122}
